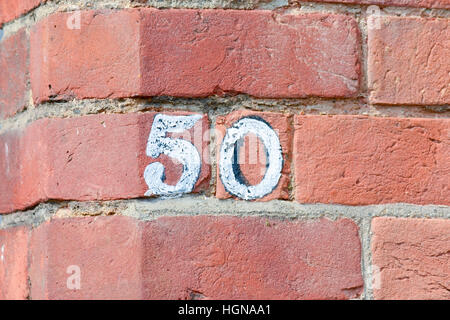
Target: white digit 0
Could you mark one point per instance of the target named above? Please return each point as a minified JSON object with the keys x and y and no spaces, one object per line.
{"x":181,"y":150}
{"x":229,"y":170}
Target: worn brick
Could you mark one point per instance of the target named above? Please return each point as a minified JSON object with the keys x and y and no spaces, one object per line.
{"x":201,"y":257}
{"x":194,"y":53}
{"x":14,"y":56}
{"x":412,"y":258}
{"x":206,"y":257}
{"x":14,"y":263}
{"x":358,"y":160}
{"x":408,"y":61}
{"x":23,"y":168}
{"x":107,"y":251}
{"x":98,"y":60}
{"x":11,"y":9}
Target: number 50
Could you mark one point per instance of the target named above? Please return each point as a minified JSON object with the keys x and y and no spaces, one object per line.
{"x":186,"y":153}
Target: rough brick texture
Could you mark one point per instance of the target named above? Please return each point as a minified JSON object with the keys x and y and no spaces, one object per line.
{"x":444,"y":4}
{"x":191,"y":53}
{"x":413,"y":257}
{"x":252,"y":157}
{"x":107,"y":251}
{"x":360,"y":160}
{"x":197,"y":257}
{"x":14,"y":73}
{"x":409,"y":61}
{"x":14,"y":263}
{"x":11,"y":9}
{"x":251,"y":258}
{"x":100,"y":157}
{"x":22,"y":169}
{"x":99,"y":60}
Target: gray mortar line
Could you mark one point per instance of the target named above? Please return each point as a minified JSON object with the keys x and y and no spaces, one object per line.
{"x":213,"y":106}
{"x":190,"y":205}
{"x":194,"y":205}
{"x":349,"y":8}
{"x":31,"y":218}
{"x":366,"y":257}
{"x":362,"y":232}
{"x":362,"y":26}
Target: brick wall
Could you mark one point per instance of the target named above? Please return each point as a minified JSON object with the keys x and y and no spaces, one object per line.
{"x":225,"y":149}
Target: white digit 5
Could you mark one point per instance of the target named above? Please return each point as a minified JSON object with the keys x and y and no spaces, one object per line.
{"x":181,"y":150}
{"x":229,"y":168}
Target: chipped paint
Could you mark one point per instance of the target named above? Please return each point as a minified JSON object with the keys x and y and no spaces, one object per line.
{"x":181,"y":150}
{"x":229,"y":170}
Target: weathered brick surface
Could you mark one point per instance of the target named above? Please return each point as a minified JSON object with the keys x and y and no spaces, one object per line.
{"x":251,"y":258}
{"x":107,"y":251}
{"x":254,"y":52}
{"x":9,"y":173}
{"x":413,"y":258}
{"x":23,"y":168}
{"x":252,"y":157}
{"x":409,"y":61}
{"x":196,"y":257}
{"x":11,"y":9}
{"x":100,"y":157}
{"x":191,"y":53}
{"x":359,"y":160}
{"x":14,"y":73}
{"x":444,"y":4}
{"x":14,"y":263}
{"x":98,"y":60}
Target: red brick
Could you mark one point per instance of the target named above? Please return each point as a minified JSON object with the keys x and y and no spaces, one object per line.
{"x":254,"y":52}
{"x":252,"y":157}
{"x":409,"y":61}
{"x":107,"y":251}
{"x":23,"y":168}
{"x":206,"y":257}
{"x":359,"y":160}
{"x":14,"y":74}
{"x":413,"y":258}
{"x":444,"y":4}
{"x":11,"y":9}
{"x":99,"y":60}
{"x":14,"y":263}
{"x":192,"y":53}
{"x":9,"y":170}
{"x":196,"y":257}
{"x":100,"y":157}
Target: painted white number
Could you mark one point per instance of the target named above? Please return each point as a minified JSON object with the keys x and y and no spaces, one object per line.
{"x":229,"y":170}
{"x":181,"y":150}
